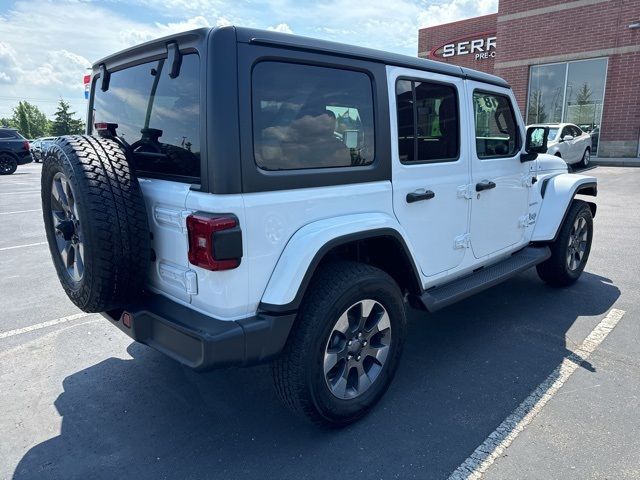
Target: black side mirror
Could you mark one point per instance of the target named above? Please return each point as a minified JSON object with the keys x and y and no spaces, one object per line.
{"x":536,"y":142}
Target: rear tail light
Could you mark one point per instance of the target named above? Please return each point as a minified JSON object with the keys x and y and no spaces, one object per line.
{"x":26,"y":145}
{"x":215,"y":241}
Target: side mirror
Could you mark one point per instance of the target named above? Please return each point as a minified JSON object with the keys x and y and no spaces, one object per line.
{"x":567,"y":138}
{"x":535,"y":143}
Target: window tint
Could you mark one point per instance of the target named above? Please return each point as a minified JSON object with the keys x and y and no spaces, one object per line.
{"x":575,"y":131}
{"x":496,"y":127}
{"x":5,"y":134}
{"x":311,"y":117}
{"x":157,"y":115}
{"x":428,"y":125}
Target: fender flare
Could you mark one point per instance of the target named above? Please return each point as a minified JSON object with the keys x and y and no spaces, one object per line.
{"x":309,"y":245}
{"x":557,"y":194}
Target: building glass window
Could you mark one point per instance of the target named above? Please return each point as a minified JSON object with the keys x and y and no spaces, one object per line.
{"x":571,"y":92}
{"x":428,"y":122}
{"x":311,"y":117}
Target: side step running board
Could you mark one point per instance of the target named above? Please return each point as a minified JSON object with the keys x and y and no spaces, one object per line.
{"x":440,"y":297}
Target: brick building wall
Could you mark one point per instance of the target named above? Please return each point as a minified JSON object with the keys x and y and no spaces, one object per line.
{"x":538,"y":32}
{"x":430,"y":38}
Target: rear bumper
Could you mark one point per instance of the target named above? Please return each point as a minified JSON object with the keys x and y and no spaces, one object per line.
{"x":25,"y":158}
{"x":199,"y":341}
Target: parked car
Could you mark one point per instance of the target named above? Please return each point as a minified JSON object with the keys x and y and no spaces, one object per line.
{"x":569,"y":142}
{"x":292,"y":213}
{"x":14,"y":151}
{"x":40,"y":146}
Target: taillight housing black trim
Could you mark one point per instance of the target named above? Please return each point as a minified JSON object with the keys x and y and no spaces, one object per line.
{"x":215,"y":241}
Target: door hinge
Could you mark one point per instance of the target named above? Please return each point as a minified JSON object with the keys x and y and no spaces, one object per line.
{"x":526,"y":220}
{"x":462,"y":241}
{"x":527,"y":180}
{"x":464,"y":191}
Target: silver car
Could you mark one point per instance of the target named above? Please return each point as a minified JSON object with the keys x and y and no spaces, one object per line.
{"x":568,"y":142}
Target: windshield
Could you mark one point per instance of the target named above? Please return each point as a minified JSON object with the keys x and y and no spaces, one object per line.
{"x":157,"y":115}
{"x":552,"y":133}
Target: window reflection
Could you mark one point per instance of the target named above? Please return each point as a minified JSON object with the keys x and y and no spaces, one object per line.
{"x":157,"y":115}
{"x":311,"y":117}
{"x":570,"y":92}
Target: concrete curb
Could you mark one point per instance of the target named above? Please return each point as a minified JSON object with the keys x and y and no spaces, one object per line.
{"x":616,"y":162}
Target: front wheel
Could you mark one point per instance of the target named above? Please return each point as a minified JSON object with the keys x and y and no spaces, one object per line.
{"x":586,"y":159}
{"x":570,"y":251}
{"x":345,"y":345}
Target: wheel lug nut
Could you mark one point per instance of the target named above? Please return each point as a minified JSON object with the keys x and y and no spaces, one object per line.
{"x":349,"y":343}
{"x":358,"y":358}
{"x":364,"y":344}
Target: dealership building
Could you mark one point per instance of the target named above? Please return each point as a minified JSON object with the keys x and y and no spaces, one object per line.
{"x":574,"y":61}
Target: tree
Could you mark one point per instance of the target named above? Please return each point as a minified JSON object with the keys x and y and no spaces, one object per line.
{"x":64,"y":123}
{"x":584,"y":95}
{"x":537,"y":112}
{"x":30,"y":121}
{"x":586,"y":107}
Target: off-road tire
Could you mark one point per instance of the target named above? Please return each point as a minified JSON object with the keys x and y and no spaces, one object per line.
{"x":555,"y":270}
{"x":113,"y":217}
{"x":298,"y":372}
{"x":8,"y":164}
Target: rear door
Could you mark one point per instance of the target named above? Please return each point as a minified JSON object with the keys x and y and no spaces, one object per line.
{"x":430,"y":165}
{"x":500,"y":182}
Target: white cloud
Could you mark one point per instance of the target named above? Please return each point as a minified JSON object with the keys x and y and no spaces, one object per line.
{"x":281,"y":27}
{"x":45,"y":46}
{"x":455,"y":10}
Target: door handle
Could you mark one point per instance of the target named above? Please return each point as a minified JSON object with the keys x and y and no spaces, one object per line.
{"x":485,"y":185}
{"x":419,"y":196}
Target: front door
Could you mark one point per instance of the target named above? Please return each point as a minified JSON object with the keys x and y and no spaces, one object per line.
{"x":500,"y":182}
{"x":430,"y":165}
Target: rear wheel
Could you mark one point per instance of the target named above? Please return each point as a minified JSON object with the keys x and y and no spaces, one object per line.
{"x":345,"y":345}
{"x":570,"y":251}
{"x":8,"y":164}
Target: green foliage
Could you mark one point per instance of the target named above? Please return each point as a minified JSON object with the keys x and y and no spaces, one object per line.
{"x":64,"y":123}
{"x":537,"y":109}
{"x":30,"y":121}
{"x":584,"y":95}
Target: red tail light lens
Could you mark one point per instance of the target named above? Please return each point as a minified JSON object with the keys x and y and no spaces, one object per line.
{"x":26,"y":145}
{"x":215,"y":242}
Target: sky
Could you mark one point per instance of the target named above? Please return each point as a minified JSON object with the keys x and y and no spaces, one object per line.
{"x":47,"y":45}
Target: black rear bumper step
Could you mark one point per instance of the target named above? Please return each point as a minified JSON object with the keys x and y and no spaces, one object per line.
{"x":445,"y":295}
{"x":199,"y":341}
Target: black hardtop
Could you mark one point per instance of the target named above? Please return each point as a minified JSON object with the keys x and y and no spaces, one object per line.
{"x":279,"y":39}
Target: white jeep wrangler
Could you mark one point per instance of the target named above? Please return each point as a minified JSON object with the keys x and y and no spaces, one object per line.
{"x":245,"y":196}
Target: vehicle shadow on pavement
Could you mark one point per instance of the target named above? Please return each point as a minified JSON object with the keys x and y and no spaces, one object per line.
{"x":464,"y":370}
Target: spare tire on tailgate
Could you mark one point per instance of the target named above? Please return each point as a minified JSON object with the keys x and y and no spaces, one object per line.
{"x":96,"y":222}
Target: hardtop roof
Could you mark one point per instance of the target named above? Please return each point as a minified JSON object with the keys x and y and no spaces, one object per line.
{"x":267,"y":37}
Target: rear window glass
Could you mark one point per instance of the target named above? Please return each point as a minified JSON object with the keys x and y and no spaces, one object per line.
{"x":157,"y":115}
{"x":311,"y":117}
{"x":9,"y":134}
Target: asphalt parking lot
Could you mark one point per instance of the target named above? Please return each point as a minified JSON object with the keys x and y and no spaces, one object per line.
{"x":78,"y":399}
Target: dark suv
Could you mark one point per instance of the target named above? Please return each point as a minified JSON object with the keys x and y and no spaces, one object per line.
{"x":14,"y":151}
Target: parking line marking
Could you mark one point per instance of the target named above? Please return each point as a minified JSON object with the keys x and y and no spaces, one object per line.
{"x":18,"y":193}
{"x":22,"y":246}
{"x":483,"y":457}
{"x":38,"y":326}
{"x":21,"y":211}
